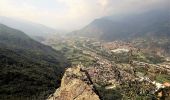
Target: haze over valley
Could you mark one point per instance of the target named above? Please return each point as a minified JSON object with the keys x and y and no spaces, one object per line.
{"x":85,"y":50}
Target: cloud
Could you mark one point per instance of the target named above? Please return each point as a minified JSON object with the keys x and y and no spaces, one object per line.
{"x":72,"y":14}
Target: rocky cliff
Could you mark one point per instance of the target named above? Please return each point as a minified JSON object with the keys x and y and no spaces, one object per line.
{"x":75,"y":85}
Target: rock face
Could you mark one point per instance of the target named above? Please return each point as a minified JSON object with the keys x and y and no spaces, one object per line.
{"x":75,"y":85}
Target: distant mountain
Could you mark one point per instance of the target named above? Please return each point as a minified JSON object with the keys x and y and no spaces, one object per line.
{"x":154,"y":23}
{"x":29,"y":69}
{"x":30,"y":28}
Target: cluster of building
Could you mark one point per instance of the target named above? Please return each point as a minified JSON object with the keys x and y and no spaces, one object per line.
{"x":119,"y":44}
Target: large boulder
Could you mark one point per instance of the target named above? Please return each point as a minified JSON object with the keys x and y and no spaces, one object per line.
{"x":75,"y":85}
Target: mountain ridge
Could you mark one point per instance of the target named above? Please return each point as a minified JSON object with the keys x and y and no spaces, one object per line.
{"x":30,"y":28}
{"x":154,"y":23}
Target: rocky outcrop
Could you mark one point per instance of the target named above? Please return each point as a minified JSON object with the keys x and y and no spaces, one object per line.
{"x":75,"y":85}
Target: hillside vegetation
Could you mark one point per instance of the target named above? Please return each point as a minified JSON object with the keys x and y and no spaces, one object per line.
{"x":28,"y":69}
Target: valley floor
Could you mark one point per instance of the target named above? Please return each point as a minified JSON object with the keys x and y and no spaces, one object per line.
{"x":118,"y":69}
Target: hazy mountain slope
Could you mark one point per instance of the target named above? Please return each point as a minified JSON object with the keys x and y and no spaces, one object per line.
{"x":28,"y":68}
{"x":30,"y":28}
{"x":152,"y":23}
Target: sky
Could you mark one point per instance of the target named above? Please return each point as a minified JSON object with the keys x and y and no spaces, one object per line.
{"x":72,"y":14}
